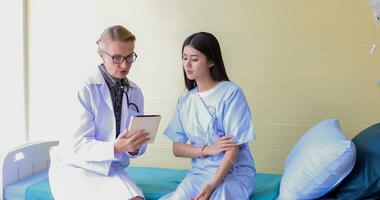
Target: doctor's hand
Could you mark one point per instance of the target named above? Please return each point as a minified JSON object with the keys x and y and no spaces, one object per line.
{"x":131,"y":141}
{"x":224,"y":143}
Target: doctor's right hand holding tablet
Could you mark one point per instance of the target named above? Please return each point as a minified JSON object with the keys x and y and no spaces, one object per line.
{"x":142,"y":129}
{"x":131,"y":141}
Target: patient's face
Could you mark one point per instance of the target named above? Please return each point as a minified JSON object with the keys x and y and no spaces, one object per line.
{"x":195,"y":64}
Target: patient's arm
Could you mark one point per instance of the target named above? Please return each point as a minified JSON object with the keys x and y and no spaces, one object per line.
{"x":186,"y":150}
{"x":225,"y":166}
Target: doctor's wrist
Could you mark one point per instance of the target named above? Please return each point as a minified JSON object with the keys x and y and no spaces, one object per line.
{"x":116,"y":148}
{"x":134,"y":152}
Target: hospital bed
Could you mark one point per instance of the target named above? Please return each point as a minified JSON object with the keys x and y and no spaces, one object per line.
{"x":24,"y":175}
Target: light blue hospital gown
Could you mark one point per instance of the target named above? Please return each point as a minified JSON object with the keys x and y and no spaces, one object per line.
{"x":202,"y":122}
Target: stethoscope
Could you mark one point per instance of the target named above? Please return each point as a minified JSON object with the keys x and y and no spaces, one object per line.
{"x":122,"y":87}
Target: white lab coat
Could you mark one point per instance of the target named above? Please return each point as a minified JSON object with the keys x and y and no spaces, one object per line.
{"x":84,"y":165}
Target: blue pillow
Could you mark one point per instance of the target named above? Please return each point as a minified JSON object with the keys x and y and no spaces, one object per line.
{"x":320,"y":160}
{"x":364,"y":180}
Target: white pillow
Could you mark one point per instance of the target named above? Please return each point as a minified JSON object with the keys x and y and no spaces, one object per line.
{"x":320,"y":160}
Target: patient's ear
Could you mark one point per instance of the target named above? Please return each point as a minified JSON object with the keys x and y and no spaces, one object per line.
{"x":210,"y":64}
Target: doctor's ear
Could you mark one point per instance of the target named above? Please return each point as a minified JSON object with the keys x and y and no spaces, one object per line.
{"x":100,"y":53}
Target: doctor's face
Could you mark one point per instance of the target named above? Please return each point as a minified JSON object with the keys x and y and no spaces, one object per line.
{"x":196,"y":64}
{"x":111,"y":54}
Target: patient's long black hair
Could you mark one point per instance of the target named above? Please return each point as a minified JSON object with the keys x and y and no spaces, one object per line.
{"x":209,"y":46}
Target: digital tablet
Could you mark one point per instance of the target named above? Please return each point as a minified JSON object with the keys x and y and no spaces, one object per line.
{"x":147,"y":122}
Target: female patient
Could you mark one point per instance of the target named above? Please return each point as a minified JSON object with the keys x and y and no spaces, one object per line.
{"x":214,"y":117}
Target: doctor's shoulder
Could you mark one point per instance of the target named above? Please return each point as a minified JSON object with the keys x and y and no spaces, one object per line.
{"x":87,"y":86}
{"x":135,"y":87}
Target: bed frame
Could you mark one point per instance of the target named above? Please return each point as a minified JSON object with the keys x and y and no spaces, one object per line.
{"x":23,"y":161}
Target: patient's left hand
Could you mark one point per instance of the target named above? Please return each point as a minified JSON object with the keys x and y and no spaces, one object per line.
{"x":205,"y":193}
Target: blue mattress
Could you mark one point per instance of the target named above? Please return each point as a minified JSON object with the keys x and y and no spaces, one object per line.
{"x":155,"y":182}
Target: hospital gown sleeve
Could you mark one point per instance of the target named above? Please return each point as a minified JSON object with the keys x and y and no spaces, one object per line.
{"x":175,"y":131}
{"x":237,"y":119}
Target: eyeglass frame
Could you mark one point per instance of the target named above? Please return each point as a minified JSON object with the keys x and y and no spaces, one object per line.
{"x":124,"y":58}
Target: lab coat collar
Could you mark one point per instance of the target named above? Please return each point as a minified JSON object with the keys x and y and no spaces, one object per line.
{"x":98,"y":78}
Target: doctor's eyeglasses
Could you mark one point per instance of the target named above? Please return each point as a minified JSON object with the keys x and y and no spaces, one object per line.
{"x":118,"y":59}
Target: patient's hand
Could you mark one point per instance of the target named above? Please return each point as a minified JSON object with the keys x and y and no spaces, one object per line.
{"x":224,"y":143}
{"x":206,"y":192}
{"x":131,"y":142}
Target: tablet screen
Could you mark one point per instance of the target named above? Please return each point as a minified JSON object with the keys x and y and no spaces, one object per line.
{"x":147,"y":122}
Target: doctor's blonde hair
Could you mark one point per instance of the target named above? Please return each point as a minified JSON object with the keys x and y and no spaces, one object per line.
{"x":115,"y":33}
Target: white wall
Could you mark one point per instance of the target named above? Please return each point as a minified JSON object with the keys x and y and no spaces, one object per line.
{"x":62,"y":37}
{"x":12,"y":107}
{"x":297,"y":61}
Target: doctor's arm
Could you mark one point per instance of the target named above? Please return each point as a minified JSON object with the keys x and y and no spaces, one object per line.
{"x":84,"y":141}
{"x":80,"y":146}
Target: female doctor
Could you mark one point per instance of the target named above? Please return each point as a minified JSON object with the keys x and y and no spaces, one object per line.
{"x":90,"y":161}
